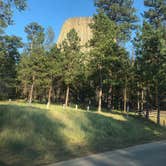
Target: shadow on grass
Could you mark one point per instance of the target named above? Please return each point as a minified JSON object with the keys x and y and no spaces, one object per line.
{"x":29,"y":136}
{"x":32,"y":136}
{"x":106,"y":133}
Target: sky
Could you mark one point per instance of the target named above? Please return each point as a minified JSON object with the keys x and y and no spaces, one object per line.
{"x":54,"y":13}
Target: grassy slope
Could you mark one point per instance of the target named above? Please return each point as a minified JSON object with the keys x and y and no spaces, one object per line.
{"x":35,"y":136}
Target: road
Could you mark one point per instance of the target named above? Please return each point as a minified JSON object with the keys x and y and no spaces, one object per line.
{"x":153,"y":154}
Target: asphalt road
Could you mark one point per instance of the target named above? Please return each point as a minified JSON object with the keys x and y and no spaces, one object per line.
{"x":153,"y":154}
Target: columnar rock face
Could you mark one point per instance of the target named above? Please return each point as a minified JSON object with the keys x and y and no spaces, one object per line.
{"x":81,"y":25}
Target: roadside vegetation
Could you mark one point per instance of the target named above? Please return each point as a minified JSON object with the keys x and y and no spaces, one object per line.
{"x":34,"y":135}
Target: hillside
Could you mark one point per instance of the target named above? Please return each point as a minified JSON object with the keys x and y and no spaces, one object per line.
{"x":32,"y":135}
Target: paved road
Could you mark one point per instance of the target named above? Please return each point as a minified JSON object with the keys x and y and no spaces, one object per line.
{"x":153,"y":154}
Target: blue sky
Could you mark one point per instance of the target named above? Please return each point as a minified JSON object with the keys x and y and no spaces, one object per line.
{"x":53,"y":13}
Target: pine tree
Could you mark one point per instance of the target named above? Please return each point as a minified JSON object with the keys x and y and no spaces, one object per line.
{"x":156,"y":14}
{"x":102,"y":50}
{"x":9,"y":58}
{"x":6,"y":11}
{"x":53,"y":70}
{"x":71,"y":62}
{"x":35,"y":36}
{"x":120,"y":12}
{"x":153,"y":37}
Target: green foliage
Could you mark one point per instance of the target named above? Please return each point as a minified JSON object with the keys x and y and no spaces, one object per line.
{"x":149,"y":43}
{"x":71,"y":57}
{"x":52,"y":66}
{"x":9,"y":58}
{"x":120,"y":12}
{"x":109,"y":62}
{"x":102,"y":43}
{"x":156,"y":15}
{"x":35,"y":34}
{"x":6,"y":11}
{"x":33,"y":66}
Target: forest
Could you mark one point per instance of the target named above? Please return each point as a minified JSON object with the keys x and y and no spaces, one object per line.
{"x":105,"y":77}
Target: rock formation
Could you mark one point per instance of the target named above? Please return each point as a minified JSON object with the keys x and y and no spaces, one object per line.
{"x":81,"y":25}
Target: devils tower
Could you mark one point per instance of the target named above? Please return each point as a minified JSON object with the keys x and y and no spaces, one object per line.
{"x":81,"y":25}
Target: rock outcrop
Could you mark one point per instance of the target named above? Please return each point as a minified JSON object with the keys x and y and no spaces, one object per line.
{"x":81,"y":25}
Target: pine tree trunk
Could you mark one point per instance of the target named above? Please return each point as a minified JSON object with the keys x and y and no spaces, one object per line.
{"x":109,"y":100}
{"x":142,"y":100}
{"x":157,"y":103}
{"x":25,"y":89}
{"x":100,"y":99}
{"x":31,"y":90}
{"x":125,"y":100}
{"x":147,"y":104}
{"x":158,"y":116}
{"x":49,"y":96}
{"x":147,"y":112}
{"x":100,"y":91}
{"x":138,"y":103}
{"x":67,"y":96}
{"x":125,"y":96}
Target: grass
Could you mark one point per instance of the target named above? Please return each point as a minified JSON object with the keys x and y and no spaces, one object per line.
{"x":153,"y":117}
{"x":33,"y":135}
{"x":162,"y":120}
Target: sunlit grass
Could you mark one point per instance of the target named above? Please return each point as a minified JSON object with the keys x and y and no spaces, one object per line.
{"x":114,"y":116}
{"x":162,"y":120}
{"x":34,"y":135}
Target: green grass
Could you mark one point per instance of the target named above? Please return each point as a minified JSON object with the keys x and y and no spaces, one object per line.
{"x":33,"y":135}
